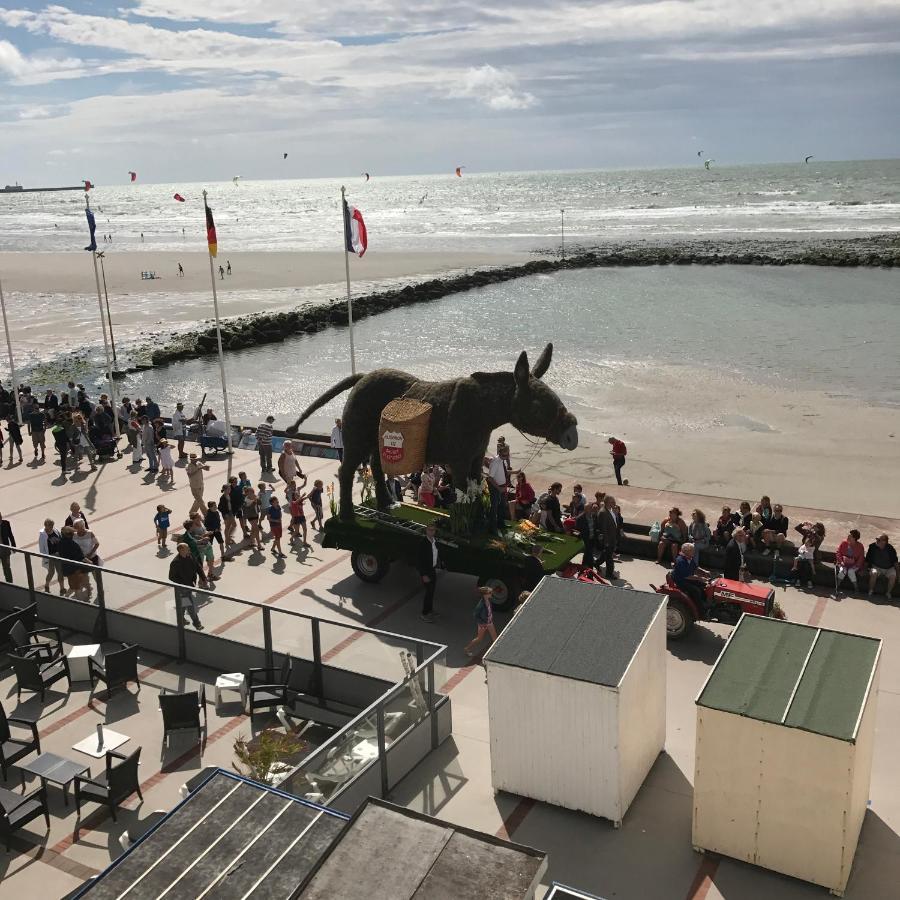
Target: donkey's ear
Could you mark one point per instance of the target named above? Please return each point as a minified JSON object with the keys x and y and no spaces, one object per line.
{"x":521,"y":370}
{"x":543,"y":362}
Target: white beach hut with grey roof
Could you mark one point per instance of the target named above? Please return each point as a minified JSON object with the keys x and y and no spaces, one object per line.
{"x":577,"y":696}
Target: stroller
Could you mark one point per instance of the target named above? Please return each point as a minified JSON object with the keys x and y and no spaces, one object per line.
{"x":100,"y":444}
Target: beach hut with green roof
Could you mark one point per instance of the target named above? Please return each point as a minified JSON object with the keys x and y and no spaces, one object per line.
{"x":785,"y":733}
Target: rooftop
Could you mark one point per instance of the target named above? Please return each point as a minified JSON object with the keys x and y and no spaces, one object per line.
{"x":571,"y":629}
{"x":793,"y":675}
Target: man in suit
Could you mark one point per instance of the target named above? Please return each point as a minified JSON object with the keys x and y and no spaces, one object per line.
{"x":609,"y":528}
{"x":588,"y":527}
{"x":734,"y":554}
{"x":427,"y":563}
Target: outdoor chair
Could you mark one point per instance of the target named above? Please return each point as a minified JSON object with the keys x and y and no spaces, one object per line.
{"x":36,"y":675}
{"x":268,"y":687}
{"x":31,"y":643}
{"x":117,"y":783}
{"x":117,"y":668}
{"x":12,"y":749}
{"x":14,"y":814}
{"x":181,"y":712}
{"x":27,"y":616}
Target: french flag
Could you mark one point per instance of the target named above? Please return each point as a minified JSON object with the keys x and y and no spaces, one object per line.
{"x":355,"y":237}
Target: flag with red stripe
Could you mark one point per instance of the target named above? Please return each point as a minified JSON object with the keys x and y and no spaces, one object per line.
{"x":356,"y":240}
{"x":210,"y":231}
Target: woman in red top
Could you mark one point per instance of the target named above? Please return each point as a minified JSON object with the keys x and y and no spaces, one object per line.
{"x":520,"y":508}
{"x":850,"y":558}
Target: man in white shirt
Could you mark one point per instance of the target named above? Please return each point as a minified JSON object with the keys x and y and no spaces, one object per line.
{"x":337,"y":439}
{"x":496,"y":480}
{"x":179,"y":421}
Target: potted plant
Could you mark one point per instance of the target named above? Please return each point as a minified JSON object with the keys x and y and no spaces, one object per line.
{"x":262,"y":758}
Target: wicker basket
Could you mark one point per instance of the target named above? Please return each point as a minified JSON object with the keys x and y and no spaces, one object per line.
{"x":403,"y":436}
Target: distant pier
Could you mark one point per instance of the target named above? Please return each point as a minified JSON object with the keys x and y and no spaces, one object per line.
{"x":18,"y":189}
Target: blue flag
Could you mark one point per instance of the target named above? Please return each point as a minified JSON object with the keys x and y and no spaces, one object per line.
{"x":92,"y":227}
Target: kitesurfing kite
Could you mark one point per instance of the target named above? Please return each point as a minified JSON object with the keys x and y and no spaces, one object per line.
{"x":285,"y":156}
{"x":459,"y":171}
{"x":807,"y":159}
{"x":422,"y":198}
{"x":179,"y":198}
{"x":699,"y":153}
{"x":706,"y":163}
{"x":367,"y":175}
{"x":133,"y":176}
{"x":87,"y":185}
{"x":236,"y":179}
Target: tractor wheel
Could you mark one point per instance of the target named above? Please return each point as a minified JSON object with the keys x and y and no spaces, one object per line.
{"x":369,"y":567}
{"x":505,"y":592}
{"x":679,"y":620}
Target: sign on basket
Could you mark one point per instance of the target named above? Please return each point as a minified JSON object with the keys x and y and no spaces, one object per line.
{"x":392,"y":447}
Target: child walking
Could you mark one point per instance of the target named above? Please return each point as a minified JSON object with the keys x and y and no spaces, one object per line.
{"x":484,"y":620}
{"x":298,"y":518}
{"x":274,"y":517}
{"x":315,"y":501}
{"x":165,"y":461}
{"x":264,"y":492}
{"x":161,"y":521}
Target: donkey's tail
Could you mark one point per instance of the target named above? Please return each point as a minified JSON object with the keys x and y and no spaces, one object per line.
{"x":330,"y":394}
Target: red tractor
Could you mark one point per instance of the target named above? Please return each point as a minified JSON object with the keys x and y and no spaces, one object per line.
{"x":725,"y":601}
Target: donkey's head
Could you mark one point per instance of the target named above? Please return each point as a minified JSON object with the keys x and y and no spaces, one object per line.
{"x":536,"y":409}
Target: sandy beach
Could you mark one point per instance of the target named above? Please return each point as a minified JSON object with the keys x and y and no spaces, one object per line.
{"x":73,"y":273}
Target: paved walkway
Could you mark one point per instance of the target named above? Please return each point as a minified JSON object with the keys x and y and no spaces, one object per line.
{"x":650,"y":856}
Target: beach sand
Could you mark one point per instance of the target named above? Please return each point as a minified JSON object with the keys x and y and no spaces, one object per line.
{"x":73,"y":272}
{"x":733,"y":439}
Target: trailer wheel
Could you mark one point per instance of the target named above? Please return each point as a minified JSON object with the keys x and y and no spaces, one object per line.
{"x":679,"y":620}
{"x":369,"y":567}
{"x":505,"y":592}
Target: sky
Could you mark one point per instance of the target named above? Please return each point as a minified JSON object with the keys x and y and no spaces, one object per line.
{"x":188,"y":90}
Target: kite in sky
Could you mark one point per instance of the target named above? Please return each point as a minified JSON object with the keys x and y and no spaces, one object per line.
{"x":87,"y":185}
{"x":179,"y":198}
{"x":699,"y":153}
{"x":285,"y":156}
{"x":133,"y":176}
{"x":367,"y":175}
{"x":807,"y":159}
{"x":236,"y":179}
{"x":706,"y":163}
{"x":459,"y":171}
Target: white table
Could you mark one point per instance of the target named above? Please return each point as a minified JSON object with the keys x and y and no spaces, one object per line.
{"x":92,"y":747}
{"x":232,"y":681}
{"x":78,"y":657}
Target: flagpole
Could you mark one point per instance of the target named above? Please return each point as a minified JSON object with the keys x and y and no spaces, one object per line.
{"x":12,"y":365}
{"x":109,"y":375}
{"x":112,"y":340}
{"x":212,"y":278}
{"x":347,"y":270}
{"x":562,"y":228}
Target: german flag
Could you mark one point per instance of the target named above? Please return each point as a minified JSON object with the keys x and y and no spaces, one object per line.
{"x":210,"y":231}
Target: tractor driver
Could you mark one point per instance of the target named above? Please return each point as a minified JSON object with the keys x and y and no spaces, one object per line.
{"x":689,"y":577}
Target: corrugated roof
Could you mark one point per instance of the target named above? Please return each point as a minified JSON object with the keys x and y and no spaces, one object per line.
{"x":391,"y":853}
{"x":793,"y":675}
{"x":577,"y":630}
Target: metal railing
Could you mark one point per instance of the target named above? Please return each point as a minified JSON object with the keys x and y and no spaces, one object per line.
{"x":340,"y":655}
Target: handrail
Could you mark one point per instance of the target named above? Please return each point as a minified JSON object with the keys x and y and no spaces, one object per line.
{"x":253,"y":603}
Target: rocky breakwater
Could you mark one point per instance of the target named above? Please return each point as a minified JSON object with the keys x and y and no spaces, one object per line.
{"x":267,"y":328}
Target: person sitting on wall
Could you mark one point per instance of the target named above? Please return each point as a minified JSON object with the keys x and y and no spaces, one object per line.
{"x":881,"y":559}
{"x":520,"y":508}
{"x":850,"y":559}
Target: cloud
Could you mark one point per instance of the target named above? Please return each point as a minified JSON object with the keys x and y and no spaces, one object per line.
{"x":494,"y":88}
{"x":33,"y":69}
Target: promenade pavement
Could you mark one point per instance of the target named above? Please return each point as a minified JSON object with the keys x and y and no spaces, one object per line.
{"x":649,"y":857}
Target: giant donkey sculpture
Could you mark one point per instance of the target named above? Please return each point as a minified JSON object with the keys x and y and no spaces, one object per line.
{"x":464,"y":413}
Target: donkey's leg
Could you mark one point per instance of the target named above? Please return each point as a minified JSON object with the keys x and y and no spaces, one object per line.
{"x":382,"y":497}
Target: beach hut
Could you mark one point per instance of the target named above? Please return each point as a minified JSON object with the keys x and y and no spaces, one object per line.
{"x":785,"y":732}
{"x":577,"y":696}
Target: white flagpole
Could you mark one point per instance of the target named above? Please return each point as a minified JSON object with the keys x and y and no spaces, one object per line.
{"x":347,"y":269}
{"x":562,"y":228}
{"x":212,"y":278}
{"x":109,"y":371}
{"x":12,"y":365}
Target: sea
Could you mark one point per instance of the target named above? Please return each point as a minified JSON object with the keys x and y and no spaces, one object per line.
{"x":828,"y":330}
{"x":480,"y":210}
